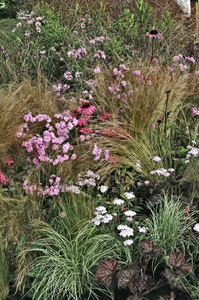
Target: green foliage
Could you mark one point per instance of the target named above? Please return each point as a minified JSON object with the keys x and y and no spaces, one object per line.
{"x":168,"y":226}
{"x":65,"y":264}
{"x":4,"y":286}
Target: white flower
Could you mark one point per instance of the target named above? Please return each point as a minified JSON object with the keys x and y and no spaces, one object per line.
{"x":118,"y":202}
{"x":171,"y":170}
{"x":128,"y":242}
{"x":127,"y":232}
{"x":142,"y":229}
{"x":107,"y":218}
{"x":129,"y":195}
{"x":157,"y":158}
{"x":129,"y":219}
{"x":101,"y":209}
{"x":121,"y":227}
{"x":103,"y":188}
{"x":147,"y":182}
{"x":130,"y":213}
{"x":196,"y":227}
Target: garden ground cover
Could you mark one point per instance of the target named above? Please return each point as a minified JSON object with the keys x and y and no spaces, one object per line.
{"x":99,"y":183}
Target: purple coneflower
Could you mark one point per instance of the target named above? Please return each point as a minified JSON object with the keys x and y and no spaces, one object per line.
{"x":86,"y":109}
{"x":154,"y":34}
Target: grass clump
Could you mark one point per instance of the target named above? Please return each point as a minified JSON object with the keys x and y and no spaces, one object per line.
{"x":67,"y":262}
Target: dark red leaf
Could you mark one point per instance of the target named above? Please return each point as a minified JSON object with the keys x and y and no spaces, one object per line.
{"x":171,"y":278}
{"x":124,"y":277}
{"x":178,"y":261}
{"x":149,"y":247}
{"x":106,"y":272}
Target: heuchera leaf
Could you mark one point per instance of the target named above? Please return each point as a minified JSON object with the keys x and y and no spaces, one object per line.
{"x":171,"y":278}
{"x":149,"y":247}
{"x":178,"y":261}
{"x":124,"y":277}
{"x":106,"y":272}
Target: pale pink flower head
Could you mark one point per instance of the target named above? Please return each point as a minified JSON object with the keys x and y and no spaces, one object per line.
{"x":62,"y":215}
{"x":154,"y":34}
{"x":97,"y":70}
{"x":137,"y":73}
{"x":156,"y":158}
{"x":86,"y":109}
{"x":73,"y":156}
{"x":195,"y":111}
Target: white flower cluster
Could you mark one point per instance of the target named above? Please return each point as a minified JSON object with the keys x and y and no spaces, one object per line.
{"x":89,"y":179}
{"x":129,"y":195}
{"x":101,"y":216}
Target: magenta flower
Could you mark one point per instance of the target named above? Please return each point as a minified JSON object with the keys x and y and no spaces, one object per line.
{"x":154,"y":34}
{"x":86,"y":109}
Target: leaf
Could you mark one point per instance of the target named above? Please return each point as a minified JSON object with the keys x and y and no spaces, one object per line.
{"x":149,"y":247}
{"x":148,"y":282}
{"x":124,"y":277}
{"x":106,"y":272}
{"x":172,"y":279}
{"x":178,"y":261}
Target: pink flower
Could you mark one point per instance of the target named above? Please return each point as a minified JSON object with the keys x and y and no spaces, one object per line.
{"x":73,"y":156}
{"x":195,"y":111}
{"x":38,"y":29}
{"x":154,"y":34}
{"x":83,"y":120}
{"x":86,"y":108}
{"x":97,"y":70}
{"x":137,"y":73}
{"x":156,"y":158}
{"x":106,"y":154}
{"x":68,"y":75}
{"x":82,"y":137}
{"x":86,"y":130}
{"x":7,"y":161}
{"x":2,"y":178}
{"x":62,"y":215}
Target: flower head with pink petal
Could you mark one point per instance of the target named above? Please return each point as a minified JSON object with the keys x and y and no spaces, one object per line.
{"x":86,"y":109}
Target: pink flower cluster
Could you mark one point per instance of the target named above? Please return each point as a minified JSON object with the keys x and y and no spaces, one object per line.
{"x":77,"y":54}
{"x":3,"y":179}
{"x":83,"y":21}
{"x":30,"y":20}
{"x":50,"y":146}
{"x":195,"y":111}
{"x":97,"y":152}
{"x":7,"y":161}
{"x":177,"y":58}
{"x":100,"y":54}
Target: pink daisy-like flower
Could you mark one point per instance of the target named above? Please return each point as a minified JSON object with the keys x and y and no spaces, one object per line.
{"x":86,"y":109}
{"x":154,"y":34}
{"x":86,"y":130}
{"x":38,"y":29}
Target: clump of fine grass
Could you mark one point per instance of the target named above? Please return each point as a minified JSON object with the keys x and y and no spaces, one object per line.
{"x":130,"y":135}
{"x":18,"y":217}
{"x":16,"y":100}
{"x":169,"y":226}
{"x":66,"y":263}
